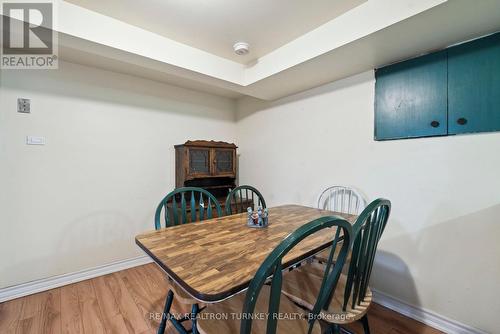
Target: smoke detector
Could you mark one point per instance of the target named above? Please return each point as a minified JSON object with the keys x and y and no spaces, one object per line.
{"x":241,"y":48}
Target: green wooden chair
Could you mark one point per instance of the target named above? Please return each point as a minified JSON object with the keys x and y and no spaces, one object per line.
{"x":266,"y":299}
{"x":353,"y":297}
{"x":174,"y":207}
{"x":242,"y":197}
{"x":183,"y":206}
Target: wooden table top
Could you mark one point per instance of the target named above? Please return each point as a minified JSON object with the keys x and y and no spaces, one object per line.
{"x":217,"y":258}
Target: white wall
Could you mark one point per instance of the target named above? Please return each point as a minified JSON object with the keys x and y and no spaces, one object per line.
{"x":78,"y":201}
{"x":440,"y":250}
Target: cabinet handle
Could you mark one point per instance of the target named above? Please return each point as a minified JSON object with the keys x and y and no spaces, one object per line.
{"x":434,"y":124}
{"x":462,"y":121}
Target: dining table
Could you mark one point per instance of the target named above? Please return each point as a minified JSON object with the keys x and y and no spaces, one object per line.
{"x":217,"y":258}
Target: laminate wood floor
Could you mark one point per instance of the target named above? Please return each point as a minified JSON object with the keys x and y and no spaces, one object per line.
{"x":131,"y":301}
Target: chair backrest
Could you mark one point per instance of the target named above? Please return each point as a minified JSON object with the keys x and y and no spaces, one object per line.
{"x":342,"y":199}
{"x":273,"y":265}
{"x":366,"y":234}
{"x":240,"y":198}
{"x":175,"y":207}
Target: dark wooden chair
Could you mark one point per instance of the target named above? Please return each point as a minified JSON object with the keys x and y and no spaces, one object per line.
{"x":183,"y":206}
{"x":242,"y":197}
{"x":350,"y":302}
{"x":262,"y":298}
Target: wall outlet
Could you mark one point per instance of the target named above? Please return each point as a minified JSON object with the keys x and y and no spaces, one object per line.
{"x":23,"y":105}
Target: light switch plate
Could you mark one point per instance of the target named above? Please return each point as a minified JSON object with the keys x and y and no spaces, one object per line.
{"x":23,"y":106}
{"x":35,"y":140}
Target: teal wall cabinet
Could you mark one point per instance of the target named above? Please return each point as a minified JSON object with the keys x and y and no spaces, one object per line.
{"x":449,"y":92}
{"x":474,"y":86}
{"x":411,"y":98}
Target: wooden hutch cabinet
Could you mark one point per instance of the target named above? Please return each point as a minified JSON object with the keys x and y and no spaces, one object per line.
{"x":210,"y":165}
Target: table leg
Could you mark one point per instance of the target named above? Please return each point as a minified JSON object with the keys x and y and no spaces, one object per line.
{"x":166,"y":312}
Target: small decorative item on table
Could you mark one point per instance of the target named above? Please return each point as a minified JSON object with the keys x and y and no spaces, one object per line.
{"x":258,"y":218}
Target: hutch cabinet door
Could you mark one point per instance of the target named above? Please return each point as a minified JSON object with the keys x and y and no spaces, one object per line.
{"x":224,"y":164}
{"x":474,"y":86}
{"x":198,"y":161}
{"x":411,"y":98}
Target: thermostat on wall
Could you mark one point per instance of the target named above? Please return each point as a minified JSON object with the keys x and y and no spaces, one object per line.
{"x":35,"y":140}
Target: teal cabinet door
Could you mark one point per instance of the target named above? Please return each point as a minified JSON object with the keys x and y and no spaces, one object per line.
{"x":474,"y":86}
{"x":411,"y":98}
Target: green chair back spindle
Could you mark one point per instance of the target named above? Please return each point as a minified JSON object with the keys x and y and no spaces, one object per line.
{"x":273,"y":265}
{"x":237,"y":200}
{"x":366,"y":233}
{"x":173,"y":208}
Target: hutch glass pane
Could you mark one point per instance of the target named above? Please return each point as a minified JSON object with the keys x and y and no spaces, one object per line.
{"x":224,"y":161}
{"x":198,"y":161}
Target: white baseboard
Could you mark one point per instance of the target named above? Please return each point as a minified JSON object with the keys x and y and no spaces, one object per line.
{"x":427,"y":317}
{"x":44,"y":284}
